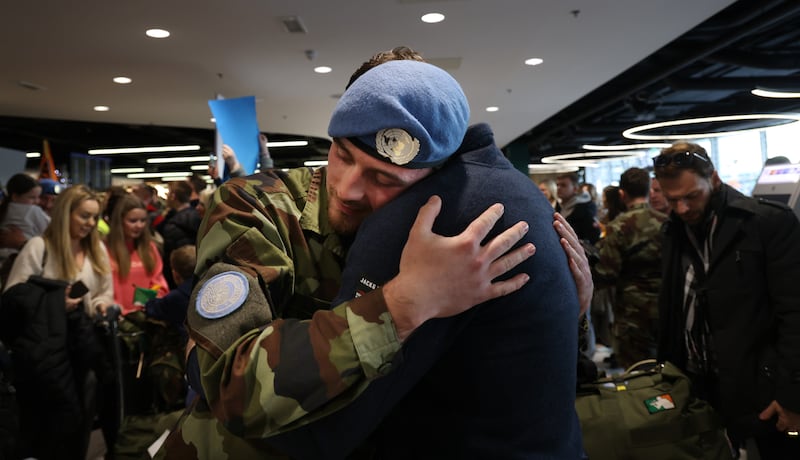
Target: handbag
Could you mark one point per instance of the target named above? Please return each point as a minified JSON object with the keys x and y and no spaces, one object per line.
{"x":648,"y":412}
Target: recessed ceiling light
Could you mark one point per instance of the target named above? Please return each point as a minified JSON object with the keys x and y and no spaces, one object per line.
{"x":322,"y":69}
{"x":157,"y":33}
{"x":492,"y":109}
{"x":122,"y":80}
{"x":533,"y":61}
{"x":33,"y":155}
{"x":101,"y":108}
{"x":432,"y":18}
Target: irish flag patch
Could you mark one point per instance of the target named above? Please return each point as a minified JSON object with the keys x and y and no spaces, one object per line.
{"x":660,"y":403}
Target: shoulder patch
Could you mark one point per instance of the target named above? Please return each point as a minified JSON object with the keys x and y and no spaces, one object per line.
{"x":222,"y":294}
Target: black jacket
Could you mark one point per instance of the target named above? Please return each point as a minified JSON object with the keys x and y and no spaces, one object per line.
{"x":753,"y":292}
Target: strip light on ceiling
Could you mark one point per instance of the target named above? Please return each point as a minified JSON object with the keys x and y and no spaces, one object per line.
{"x":158,"y":175}
{"x":633,"y":133}
{"x":196,"y":159}
{"x":547,"y":169}
{"x":166,"y":148}
{"x":652,"y":145}
{"x":588,"y":159}
{"x":775,"y":94}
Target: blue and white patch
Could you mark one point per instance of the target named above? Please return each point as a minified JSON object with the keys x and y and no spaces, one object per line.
{"x":397,"y":145}
{"x":222,"y":294}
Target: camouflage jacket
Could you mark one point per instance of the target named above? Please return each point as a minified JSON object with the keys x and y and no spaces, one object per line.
{"x":630,"y":257}
{"x":270,"y":347}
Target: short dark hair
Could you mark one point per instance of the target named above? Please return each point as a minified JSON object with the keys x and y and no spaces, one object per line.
{"x":183,"y":260}
{"x":666,"y":165}
{"x":399,"y":53}
{"x":635,"y":182}
{"x":182,"y":191}
{"x":573,"y":177}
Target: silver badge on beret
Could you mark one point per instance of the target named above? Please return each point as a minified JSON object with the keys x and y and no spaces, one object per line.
{"x":222,"y":294}
{"x":396,"y":145}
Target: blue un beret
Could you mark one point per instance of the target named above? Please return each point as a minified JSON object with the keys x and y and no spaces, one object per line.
{"x":408,"y":113}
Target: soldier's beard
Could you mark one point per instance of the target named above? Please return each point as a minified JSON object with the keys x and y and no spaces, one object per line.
{"x":345,"y":218}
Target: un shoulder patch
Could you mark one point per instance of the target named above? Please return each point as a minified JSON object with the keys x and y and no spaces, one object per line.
{"x":222,"y":294}
{"x":660,"y":403}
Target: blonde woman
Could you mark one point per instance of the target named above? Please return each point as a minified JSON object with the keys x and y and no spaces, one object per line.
{"x":135,"y":259}
{"x":550,"y":190}
{"x":65,"y":370}
{"x":70,"y":250}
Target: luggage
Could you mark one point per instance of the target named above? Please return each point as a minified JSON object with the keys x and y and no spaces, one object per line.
{"x":648,"y":413}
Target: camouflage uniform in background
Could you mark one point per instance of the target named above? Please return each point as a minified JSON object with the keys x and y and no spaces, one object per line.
{"x":272,"y":230}
{"x":630,"y":260}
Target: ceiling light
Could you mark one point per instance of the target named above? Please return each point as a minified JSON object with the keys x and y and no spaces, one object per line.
{"x":197,"y":159}
{"x":198,"y":167}
{"x":212,"y":120}
{"x":315,"y":163}
{"x":122,"y":80}
{"x":157,"y":33}
{"x":33,"y":155}
{"x":533,"y":61}
{"x":492,"y":109}
{"x":626,"y":146}
{"x":591,"y":157}
{"x":322,"y":69}
{"x":158,"y":174}
{"x":167,"y":148}
{"x":126,"y":170}
{"x":632,"y":133}
{"x":432,"y":18}
{"x":545,"y":169}
{"x":775,"y":94}
{"x":287,"y":144}
{"x":101,"y":108}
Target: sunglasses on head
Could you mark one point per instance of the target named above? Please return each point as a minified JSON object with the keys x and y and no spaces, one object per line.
{"x":681,"y":160}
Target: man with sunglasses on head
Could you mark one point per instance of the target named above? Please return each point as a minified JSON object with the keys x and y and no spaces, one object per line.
{"x":730,"y":300}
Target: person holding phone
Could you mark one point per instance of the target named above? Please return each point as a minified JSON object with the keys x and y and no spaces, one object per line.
{"x":57,"y":407}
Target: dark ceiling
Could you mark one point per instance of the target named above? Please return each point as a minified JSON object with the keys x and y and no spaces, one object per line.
{"x":708,"y":71}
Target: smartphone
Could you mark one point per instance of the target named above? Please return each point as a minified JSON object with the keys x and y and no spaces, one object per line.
{"x":78,"y":289}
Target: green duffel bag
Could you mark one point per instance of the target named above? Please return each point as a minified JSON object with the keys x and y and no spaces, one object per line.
{"x":648,"y":413}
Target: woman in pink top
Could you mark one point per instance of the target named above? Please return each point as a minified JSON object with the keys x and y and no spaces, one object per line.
{"x":135,"y":259}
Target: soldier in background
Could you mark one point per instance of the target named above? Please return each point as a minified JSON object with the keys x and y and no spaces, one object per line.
{"x":630,"y":260}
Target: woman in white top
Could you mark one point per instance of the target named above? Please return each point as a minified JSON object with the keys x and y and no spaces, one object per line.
{"x":70,"y":249}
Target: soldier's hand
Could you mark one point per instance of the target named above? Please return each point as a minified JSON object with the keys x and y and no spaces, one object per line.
{"x":578,"y":262}
{"x":444,"y":276}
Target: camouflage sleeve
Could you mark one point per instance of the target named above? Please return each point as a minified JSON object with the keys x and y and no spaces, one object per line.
{"x":262,"y":374}
{"x":606,"y":271}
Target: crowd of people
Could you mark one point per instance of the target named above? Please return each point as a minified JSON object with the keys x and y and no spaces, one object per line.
{"x":374,"y":308}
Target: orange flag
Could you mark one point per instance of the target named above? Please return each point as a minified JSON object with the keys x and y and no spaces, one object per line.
{"x":47,"y":168}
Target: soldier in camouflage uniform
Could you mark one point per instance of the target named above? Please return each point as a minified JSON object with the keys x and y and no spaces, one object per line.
{"x":272,"y":353}
{"x":630,"y":260}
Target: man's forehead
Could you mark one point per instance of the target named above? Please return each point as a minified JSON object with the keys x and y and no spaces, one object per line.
{"x":683,"y":184}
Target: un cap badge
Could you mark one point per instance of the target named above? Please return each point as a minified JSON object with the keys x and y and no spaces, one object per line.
{"x":222,"y":294}
{"x":396,"y":145}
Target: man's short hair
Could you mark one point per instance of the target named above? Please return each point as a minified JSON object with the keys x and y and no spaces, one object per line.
{"x":182,"y":191}
{"x":573,"y":177}
{"x":635,"y":182}
{"x":682,"y":156}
